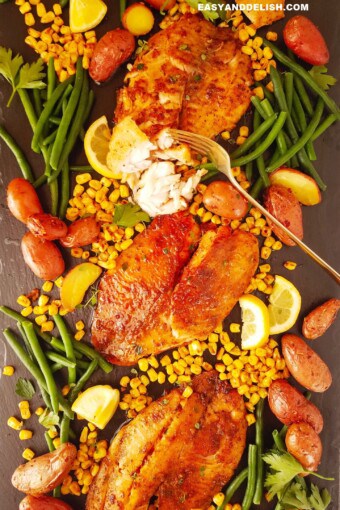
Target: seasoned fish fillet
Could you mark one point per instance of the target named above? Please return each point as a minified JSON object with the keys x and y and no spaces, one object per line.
{"x":260,"y":18}
{"x":129,"y":320}
{"x":212,"y":282}
{"x":181,"y":449}
{"x":192,"y":75}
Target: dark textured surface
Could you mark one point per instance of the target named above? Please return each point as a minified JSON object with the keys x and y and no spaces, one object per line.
{"x":321,"y":233}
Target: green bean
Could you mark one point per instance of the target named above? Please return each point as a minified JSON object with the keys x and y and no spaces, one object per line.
{"x":46,"y":113}
{"x":83,"y":364}
{"x":49,"y":442}
{"x":54,"y":120}
{"x":43,"y":364}
{"x":289,"y":89}
{"x":248,"y":497}
{"x":63,"y":3}
{"x":17,"y":153}
{"x":28,"y":107}
{"x":67,"y":116}
{"x":65,"y":190}
{"x":77,"y":123}
{"x":302,"y":141}
{"x":67,"y":340}
{"x":86,"y":114}
{"x":61,"y":360}
{"x":280,"y":141}
{"x":233,"y":486}
{"x":257,"y":188}
{"x":254,"y":137}
{"x":54,"y":197}
{"x":258,"y":105}
{"x":249,"y":171}
{"x":122,"y":7}
{"x":275,"y":156}
{"x":323,"y":126}
{"x":296,"y":122}
{"x":31,"y":366}
{"x":81,"y":168}
{"x":51,"y":77}
{"x":278,"y":441}
{"x":82,"y":381}
{"x":26,"y":342}
{"x":48,"y":169}
{"x":56,"y":367}
{"x":40,"y":181}
{"x":58,"y":109}
{"x":304,"y":98}
{"x":299,"y":111}
{"x":259,"y":160}
{"x":64,"y":429}
{"x":37,"y":101}
{"x":306,"y":77}
{"x":259,"y":443}
{"x":50,"y":138}
{"x":279,"y":123}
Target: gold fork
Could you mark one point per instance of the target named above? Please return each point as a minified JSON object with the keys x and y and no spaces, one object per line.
{"x":219,"y":156}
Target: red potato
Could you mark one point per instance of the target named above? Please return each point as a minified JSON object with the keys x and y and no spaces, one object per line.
{"x":22,"y":199}
{"x":161,"y":4}
{"x":81,"y":233}
{"x":42,"y":257}
{"x":305,"y":365}
{"x":320,"y":319}
{"x":305,"y":445}
{"x":306,"y":41}
{"x":290,"y":406}
{"x":46,"y":226}
{"x":282,"y":204}
{"x":303,"y":186}
{"x":223,"y":199}
{"x":43,"y":474}
{"x":43,"y":503}
{"x":114,"y":48}
{"x":138,"y":19}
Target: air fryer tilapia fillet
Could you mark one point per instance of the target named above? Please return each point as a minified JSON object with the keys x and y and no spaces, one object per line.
{"x":157,"y":299}
{"x":182,"y":450}
{"x":192,"y":75}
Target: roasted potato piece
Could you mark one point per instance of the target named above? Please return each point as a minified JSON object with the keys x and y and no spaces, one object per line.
{"x":43,"y":503}
{"x":305,"y":365}
{"x":46,"y":226}
{"x":282,"y":203}
{"x":223,"y":199}
{"x":320,"y":319}
{"x":81,"y":233}
{"x":305,"y":445}
{"x":42,"y":257}
{"x":290,"y":406}
{"x":22,"y":199}
{"x":43,"y":474}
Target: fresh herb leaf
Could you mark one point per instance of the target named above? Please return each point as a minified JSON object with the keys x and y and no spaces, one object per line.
{"x":209,"y":14}
{"x":128,"y":215}
{"x":18,"y":74}
{"x":319,"y":501}
{"x":24,"y":388}
{"x":319,"y":75}
{"x":297,"y":496}
{"x":286,"y":467}
{"x":48,"y":419}
{"x":142,"y":46}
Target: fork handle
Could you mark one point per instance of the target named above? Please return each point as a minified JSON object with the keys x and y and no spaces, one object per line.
{"x":298,"y":241}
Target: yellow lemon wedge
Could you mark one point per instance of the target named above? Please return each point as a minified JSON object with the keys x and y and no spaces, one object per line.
{"x":284,"y":307}
{"x":86,"y":14}
{"x":255,"y":322}
{"x":76,"y":283}
{"x":97,"y":405}
{"x":96,"y":145}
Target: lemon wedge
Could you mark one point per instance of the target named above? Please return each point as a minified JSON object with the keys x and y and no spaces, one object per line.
{"x":96,"y":145}
{"x":97,"y":405}
{"x":284,"y":307}
{"x":255,"y":322}
{"x":86,"y":14}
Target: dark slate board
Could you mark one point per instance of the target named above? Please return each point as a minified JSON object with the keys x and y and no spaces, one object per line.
{"x":322,"y":233}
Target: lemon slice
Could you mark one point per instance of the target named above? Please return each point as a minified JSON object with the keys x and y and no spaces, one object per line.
{"x":97,"y":404}
{"x":255,"y":319}
{"x":86,"y":14}
{"x":284,"y":307}
{"x":96,"y":145}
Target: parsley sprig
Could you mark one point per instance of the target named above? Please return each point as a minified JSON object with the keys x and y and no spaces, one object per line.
{"x":324,"y":80}
{"x":20,"y":75}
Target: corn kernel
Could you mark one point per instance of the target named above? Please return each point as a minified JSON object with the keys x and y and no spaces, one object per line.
{"x":235,"y":328}
{"x":14,"y":423}
{"x":244,"y":131}
{"x":265,"y":252}
{"x":290,"y":265}
{"x":172,"y":378}
{"x":28,"y":454}
{"x":187,"y":392}
{"x":79,"y":335}
{"x":23,"y":301}
{"x":8,"y":370}
{"x":259,"y":75}
{"x":79,"y":325}
{"x":24,"y":408}
{"x":250,"y":419}
{"x":271,"y":36}
{"x":277,"y":246}
{"x":24,"y":8}
{"x":247,"y":50}
{"x":40,"y":319}
{"x":152,"y":374}
{"x":39,"y":411}
{"x":25,"y":434}
{"x":59,"y":282}
{"x":218,"y":498}
{"x":57,"y":9}
{"x":48,"y":17}
{"x":225,"y":135}
{"x":161,"y":378}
